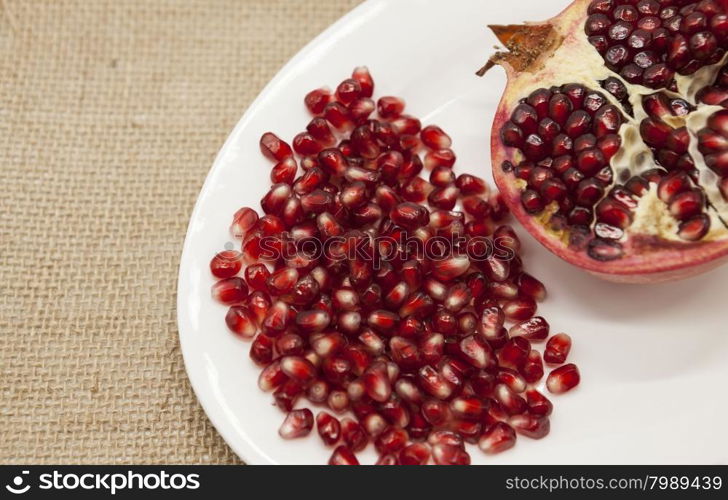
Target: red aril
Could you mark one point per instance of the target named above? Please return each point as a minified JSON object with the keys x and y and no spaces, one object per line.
{"x":298,"y":423}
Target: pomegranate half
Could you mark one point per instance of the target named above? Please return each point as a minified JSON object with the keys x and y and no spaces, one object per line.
{"x":610,"y":142}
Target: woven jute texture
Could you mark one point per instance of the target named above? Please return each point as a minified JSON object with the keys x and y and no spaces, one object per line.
{"x":111,"y":112}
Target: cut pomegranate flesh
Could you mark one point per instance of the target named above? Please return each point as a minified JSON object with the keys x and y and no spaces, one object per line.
{"x":415,"y":347}
{"x":621,"y":167}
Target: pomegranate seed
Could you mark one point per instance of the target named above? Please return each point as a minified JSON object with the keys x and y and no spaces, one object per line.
{"x":442,"y":176}
{"x":467,"y":407}
{"x":298,"y":423}
{"x":377,"y":383}
{"x":514,"y":353}
{"x":226,"y":264}
{"x":297,"y":368}
{"x":435,"y":412}
{"x":338,"y":400}
{"x":407,"y":390}
{"x":261,"y":350}
{"x":328,"y":428}
{"x":374,"y":424}
{"x":536,"y":328}
{"x":435,"y":138}
{"x":531,"y":287}
{"x":243,"y":221}
{"x":319,"y":129}
{"x":439,"y":158}
{"x":287,"y":394}
{"x":353,"y":434}
{"x":538,"y":404}
{"x":404,"y":352}
{"x":382,"y":321}
{"x":230,"y":291}
{"x":275,"y":200}
{"x":271,"y":377}
{"x":433,"y":383}
{"x":284,"y":171}
{"x":445,"y":454}
{"x":513,"y":380}
{"x":364,"y":78}
{"x":317,"y":99}
{"x":532,"y":369}
{"x":477,"y":353}
{"x":512,"y":402}
{"x":290,"y":344}
{"x":557,"y":349}
{"x":338,"y":116}
{"x":492,"y":320}
{"x":416,"y":190}
{"x":450,"y":268}
{"x":391,"y":440}
{"x":390,"y":107}
{"x":414,"y":454}
{"x":240,"y":320}
{"x":361,"y":109}
{"x":498,"y":438}
{"x":446,"y":437}
{"x":276,"y":319}
{"x":444,"y":198}
{"x":343,"y":456}
{"x":563,"y":379}
{"x":388,"y":459}
{"x":348,"y":91}
{"x":694,"y":229}
{"x":532,"y":426}
{"x":519,"y":309}
{"x":274,"y":148}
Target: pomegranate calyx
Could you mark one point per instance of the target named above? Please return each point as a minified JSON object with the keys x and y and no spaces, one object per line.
{"x":527,"y":45}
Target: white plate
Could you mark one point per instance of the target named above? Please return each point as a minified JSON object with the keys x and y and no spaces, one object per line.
{"x":653,"y":358}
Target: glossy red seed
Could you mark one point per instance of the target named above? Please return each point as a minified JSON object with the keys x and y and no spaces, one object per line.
{"x":328,"y":428}
{"x":414,"y":454}
{"x":445,"y":454}
{"x":388,"y":459}
{"x":536,"y":328}
{"x":364,"y":78}
{"x":390,"y":107}
{"x":317,"y":99}
{"x":557,"y":349}
{"x":353,"y":434}
{"x":226,"y":264}
{"x":435,"y":138}
{"x":538,"y":404}
{"x":274,"y":148}
{"x":498,"y":438}
{"x":519,"y":309}
{"x":563,"y":379}
{"x":243,"y":221}
{"x":230,"y":290}
{"x":433,"y":383}
{"x":240,"y":320}
{"x":391,"y":440}
{"x":441,"y":157}
{"x":343,"y":456}
{"x":532,"y":426}
{"x":532,"y":369}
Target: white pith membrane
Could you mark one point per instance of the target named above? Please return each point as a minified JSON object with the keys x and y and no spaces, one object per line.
{"x":576,"y":61}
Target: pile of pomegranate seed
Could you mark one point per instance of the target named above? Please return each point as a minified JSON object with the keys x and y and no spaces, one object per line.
{"x":413,"y":324}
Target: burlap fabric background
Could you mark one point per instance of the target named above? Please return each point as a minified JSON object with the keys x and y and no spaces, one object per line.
{"x":111,"y":112}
